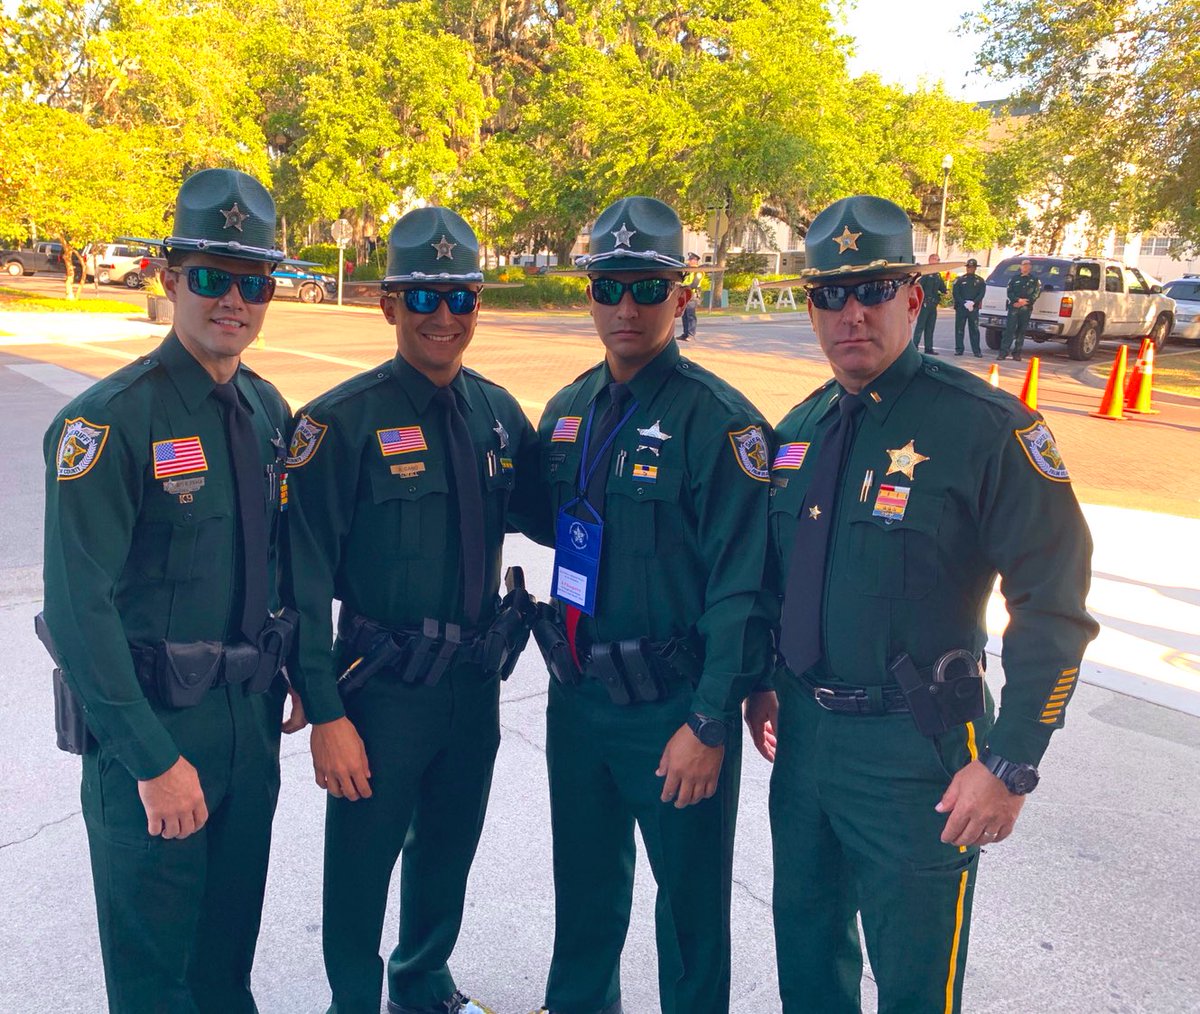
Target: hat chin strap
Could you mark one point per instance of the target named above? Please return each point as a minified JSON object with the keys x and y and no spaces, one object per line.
{"x":217,"y":246}
{"x":444,"y":276}
{"x":650,"y":256}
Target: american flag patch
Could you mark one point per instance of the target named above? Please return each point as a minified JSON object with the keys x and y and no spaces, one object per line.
{"x":891,"y":503}
{"x":790,"y":456}
{"x":174,"y":457}
{"x":566,"y":429}
{"x":401,"y":439}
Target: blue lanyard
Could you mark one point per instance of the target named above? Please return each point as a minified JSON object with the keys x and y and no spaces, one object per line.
{"x":587,"y":466}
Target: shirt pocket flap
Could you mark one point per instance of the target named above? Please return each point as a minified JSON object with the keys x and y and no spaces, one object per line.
{"x":909,"y":510}
{"x":408,"y":480}
{"x":644,"y":483}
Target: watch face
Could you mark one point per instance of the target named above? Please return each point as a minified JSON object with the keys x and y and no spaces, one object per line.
{"x":709,"y":731}
{"x":1023,"y":780}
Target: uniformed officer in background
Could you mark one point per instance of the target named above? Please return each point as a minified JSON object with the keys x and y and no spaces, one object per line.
{"x":899,"y":490}
{"x":164,"y":496}
{"x":967,"y":292}
{"x":404,"y":479}
{"x":933,"y":287}
{"x":659,"y":476}
{"x":1023,"y":291}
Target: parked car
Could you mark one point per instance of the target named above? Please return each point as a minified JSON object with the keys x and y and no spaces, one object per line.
{"x":46,"y":257}
{"x":1186,"y":293}
{"x":293,"y":282}
{"x":116,"y":264}
{"x":1083,"y":300}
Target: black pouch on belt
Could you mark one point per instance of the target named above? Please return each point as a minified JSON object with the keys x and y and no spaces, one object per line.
{"x":274,"y":644}
{"x":641,"y":670}
{"x":952,"y":697}
{"x":606,"y":668}
{"x":552,"y":643}
{"x":70,"y":730}
{"x":185,"y":672}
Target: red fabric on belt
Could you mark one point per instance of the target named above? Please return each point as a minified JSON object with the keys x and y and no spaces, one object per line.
{"x":573,"y":614}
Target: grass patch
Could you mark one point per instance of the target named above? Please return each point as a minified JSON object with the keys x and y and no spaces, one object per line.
{"x":1178,"y":374}
{"x":16,"y":299}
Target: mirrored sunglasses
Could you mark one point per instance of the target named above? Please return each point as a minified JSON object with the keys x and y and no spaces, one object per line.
{"x":872,"y":293}
{"x":645,"y":291}
{"x":213,"y":283}
{"x":428,"y":300}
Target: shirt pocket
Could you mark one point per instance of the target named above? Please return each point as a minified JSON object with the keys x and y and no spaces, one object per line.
{"x":897,"y":558}
{"x":783,"y":510}
{"x":185,"y":542}
{"x":414,"y":505}
{"x":644,"y":517}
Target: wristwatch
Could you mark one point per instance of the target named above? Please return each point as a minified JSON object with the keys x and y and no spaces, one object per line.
{"x":710,"y":731}
{"x":1019,"y":779}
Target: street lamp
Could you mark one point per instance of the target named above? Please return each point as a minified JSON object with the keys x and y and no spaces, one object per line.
{"x":947,"y":162}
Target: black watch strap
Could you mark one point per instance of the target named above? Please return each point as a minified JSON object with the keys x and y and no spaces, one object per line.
{"x":1019,"y":779}
{"x":710,"y":731}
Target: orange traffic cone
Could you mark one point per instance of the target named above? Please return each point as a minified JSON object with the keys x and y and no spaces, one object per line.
{"x":994,"y":375}
{"x":1141,"y":385}
{"x":1111,"y":403}
{"x":1029,"y":390}
{"x":1131,"y":377}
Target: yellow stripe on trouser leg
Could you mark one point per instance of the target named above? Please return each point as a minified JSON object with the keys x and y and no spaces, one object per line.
{"x":972,"y":747}
{"x":958,"y":922}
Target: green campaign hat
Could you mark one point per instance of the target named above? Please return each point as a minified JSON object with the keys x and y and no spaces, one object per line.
{"x":862,"y":236}
{"x":227,"y":213}
{"x":432,"y":245}
{"x":634,"y":234}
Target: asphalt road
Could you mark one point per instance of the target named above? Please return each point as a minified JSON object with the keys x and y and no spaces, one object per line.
{"x":1090,"y":907}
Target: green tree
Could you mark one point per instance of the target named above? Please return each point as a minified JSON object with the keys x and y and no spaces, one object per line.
{"x":1117,"y":84}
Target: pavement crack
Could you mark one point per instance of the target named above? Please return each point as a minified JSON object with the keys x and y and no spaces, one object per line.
{"x":49,"y":823}
{"x":511,"y":730}
{"x":765,"y":902}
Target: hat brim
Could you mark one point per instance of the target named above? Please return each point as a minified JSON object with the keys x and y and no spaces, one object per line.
{"x":616,"y":261}
{"x":437,"y":279}
{"x":221,"y":248}
{"x":874,"y":269}
{"x":441,"y":281}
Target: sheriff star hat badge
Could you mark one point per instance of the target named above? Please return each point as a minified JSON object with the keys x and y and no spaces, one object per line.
{"x":214,"y":206}
{"x":432,"y":245}
{"x":633,"y":234}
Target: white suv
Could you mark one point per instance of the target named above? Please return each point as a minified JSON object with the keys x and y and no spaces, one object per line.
{"x":115,"y":263}
{"x":1082,"y":300}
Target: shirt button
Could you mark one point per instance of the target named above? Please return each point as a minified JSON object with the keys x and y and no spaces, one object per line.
{"x":640,"y":491}
{"x":412,"y":489}
{"x":380,"y":376}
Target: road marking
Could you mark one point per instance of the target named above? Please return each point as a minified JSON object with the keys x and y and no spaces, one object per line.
{"x":57,"y":378}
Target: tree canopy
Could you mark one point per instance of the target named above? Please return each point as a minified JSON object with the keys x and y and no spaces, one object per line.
{"x":527,"y":116}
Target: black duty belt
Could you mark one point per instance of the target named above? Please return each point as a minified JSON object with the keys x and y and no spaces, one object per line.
{"x":849,"y":700}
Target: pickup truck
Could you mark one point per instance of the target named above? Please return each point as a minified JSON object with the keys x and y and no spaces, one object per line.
{"x":42,"y":257}
{"x":1082,"y":300}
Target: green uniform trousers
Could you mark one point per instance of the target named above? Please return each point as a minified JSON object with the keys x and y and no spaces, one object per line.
{"x":179,"y":918}
{"x":926,"y":320}
{"x":602,"y":758}
{"x":431,"y":751}
{"x":965,"y":320}
{"x":854,"y":830}
{"x":1014,"y":330}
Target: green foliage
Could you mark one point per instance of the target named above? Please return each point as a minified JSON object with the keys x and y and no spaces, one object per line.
{"x":1116,"y":134}
{"x":323,"y":254}
{"x":539,"y":291}
{"x":19,"y":299}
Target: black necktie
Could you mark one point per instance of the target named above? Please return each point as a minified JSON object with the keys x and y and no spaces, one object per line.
{"x":252,"y":514}
{"x":804,"y":592}
{"x":618,"y":400}
{"x":470,"y":501}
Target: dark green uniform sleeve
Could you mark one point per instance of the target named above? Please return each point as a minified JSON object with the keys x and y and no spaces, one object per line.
{"x":529,"y":506}
{"x":89,"y":529}
{"x":731,"y":527}
{"x":322,"y":510}
{"x":1035,"y":535}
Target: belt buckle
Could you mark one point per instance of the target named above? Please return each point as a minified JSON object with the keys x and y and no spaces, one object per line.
{"x":823,"y":694}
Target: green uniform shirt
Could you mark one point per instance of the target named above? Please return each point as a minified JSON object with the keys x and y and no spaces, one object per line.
{"x":142,"y":533}
{"x":934,"y":287}
{"x":375,"y":520}
{"x":912,"y":559}
{"x":968,"y":289}
{"x":684,"y":541}
{"x":1024,"y":287}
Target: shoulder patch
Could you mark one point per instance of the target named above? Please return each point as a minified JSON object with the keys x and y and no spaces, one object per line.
{"x":1038,"y":444}
{"x":306,"y":438}
{"x":79,"y":447}
{"x":750,"y":449}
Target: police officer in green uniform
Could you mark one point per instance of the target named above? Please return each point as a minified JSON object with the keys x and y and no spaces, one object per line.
{"x":404,"y":479}
{"x":933,"y":287}
{"x":164,"y":500}
{"x":899,"y":490}
{"x":967,"y":292}
{"x":659,"y":477}
{"x":1023,"y":291}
